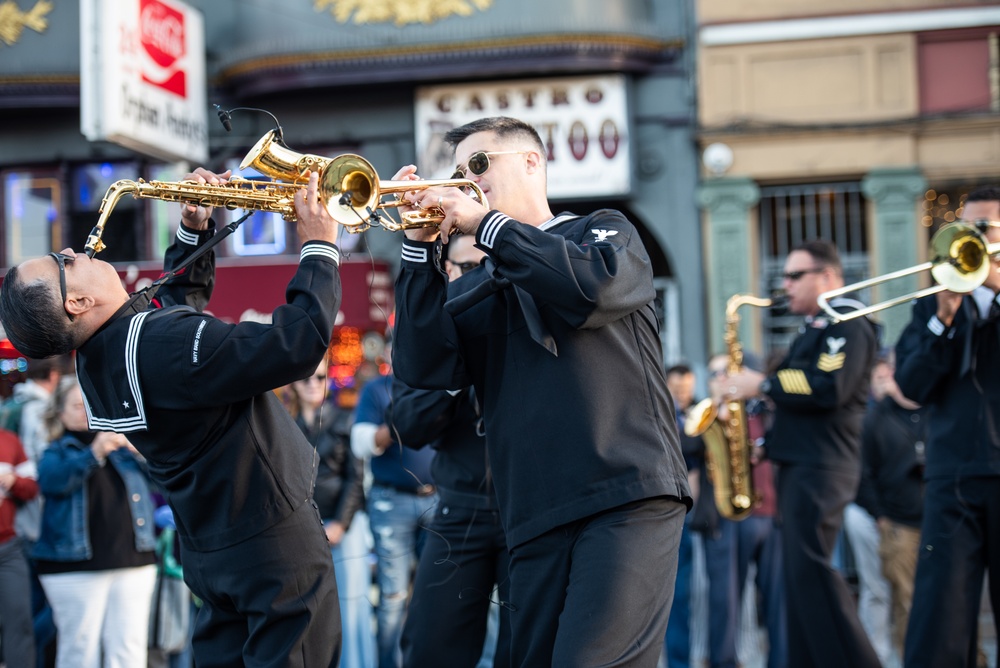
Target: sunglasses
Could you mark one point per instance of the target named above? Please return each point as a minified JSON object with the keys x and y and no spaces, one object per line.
{"x":479,"y":162}
{"x":61,"y":259}
{"x":796,"y":275}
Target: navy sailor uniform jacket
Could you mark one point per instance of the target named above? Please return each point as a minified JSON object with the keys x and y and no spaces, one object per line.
{"x":194,"y":395}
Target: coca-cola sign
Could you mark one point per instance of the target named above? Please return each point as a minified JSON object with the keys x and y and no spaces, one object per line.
{"x":161,"y":34}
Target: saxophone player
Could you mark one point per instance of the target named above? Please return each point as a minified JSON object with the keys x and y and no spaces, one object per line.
{"x":819,"y":391}
{"x":195,"y":396}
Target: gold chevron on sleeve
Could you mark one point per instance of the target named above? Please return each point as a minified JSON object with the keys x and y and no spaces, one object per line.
{"x":828,"y":362}
{"x":793,"y":381}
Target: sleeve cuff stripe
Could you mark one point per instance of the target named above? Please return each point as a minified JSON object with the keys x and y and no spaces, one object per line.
{"x":321,"y":250}
{"x":490,"y":228}
{"x":793,"y":381}
{"x":936,"y":326}
{"x":414,"y":254}
{"x":186,"y":236}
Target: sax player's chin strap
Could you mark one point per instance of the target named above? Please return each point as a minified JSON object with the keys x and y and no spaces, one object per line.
{"x":140,"y":300}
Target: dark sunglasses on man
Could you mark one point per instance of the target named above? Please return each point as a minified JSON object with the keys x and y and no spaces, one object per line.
{"x":479,"y":163}
{"x":61,"y":259}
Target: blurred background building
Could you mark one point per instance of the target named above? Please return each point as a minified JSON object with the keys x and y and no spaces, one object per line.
{"x":87,"y":89}
{"x":863,"y":121}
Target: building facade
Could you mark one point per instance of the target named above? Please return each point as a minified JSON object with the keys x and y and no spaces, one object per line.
{"x":609,"y":85}
{"x":864,"y":123}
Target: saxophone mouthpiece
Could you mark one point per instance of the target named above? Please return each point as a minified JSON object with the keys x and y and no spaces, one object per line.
{"x":94,"y":244}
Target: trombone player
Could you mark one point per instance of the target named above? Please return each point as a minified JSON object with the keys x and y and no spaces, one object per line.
{"x":948,"y":358}
{"x":819,"y":391}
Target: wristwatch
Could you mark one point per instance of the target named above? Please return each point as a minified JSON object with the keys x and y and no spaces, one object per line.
{"x":765,"y":386}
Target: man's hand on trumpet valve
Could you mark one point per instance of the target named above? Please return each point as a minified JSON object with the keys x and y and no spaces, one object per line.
{"x":462,"y":213}
{"x":196,"y":217}
{"x":409,"y":173}
{"x":314,"y":222}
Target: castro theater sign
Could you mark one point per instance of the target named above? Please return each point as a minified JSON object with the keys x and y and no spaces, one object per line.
{"x":142,"y":78}
{"x":583,"y":122}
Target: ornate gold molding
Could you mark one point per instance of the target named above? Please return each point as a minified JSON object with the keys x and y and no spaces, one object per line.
{"x":400,"y":12}
{"x":13,"y":21}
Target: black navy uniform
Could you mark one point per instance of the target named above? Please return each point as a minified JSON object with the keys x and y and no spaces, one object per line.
{"x":557,"y":333}
{"x":465,"y":554}
{"x":893,"y":446}
{"x":820,"y":391}
{"x":194,"y":396}
{"x":955,"y":372}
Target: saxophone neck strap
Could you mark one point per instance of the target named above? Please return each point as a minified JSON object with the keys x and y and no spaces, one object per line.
{"x":148,"y":293}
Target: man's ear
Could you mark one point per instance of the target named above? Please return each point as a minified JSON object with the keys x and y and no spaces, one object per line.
{"x":534,"y":161}
{"x":79,"y":305}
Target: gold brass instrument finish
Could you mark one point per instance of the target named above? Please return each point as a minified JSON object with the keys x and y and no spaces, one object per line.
{"x":349,"y":185}
{"x":349,"y":188}
{"x":727,"y":442}
{"x":960,"y":262}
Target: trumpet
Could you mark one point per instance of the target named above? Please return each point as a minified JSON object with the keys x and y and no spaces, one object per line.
{"x":349,"y":188}
{"x":960,"y":262}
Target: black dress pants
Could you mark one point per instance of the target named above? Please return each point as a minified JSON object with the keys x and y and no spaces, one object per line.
{"x":597,"y":592}
{"x":959,"y":539}
{"x":823,"y":626}
{"x":268,"y":601}
{"x":464,"y":556}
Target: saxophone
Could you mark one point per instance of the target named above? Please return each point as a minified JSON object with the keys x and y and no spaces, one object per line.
{"x":727,"y":442}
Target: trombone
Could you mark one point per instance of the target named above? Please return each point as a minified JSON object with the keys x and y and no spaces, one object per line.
{"x":960,"y":262}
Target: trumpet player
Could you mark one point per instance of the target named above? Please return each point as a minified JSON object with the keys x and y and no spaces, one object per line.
{"x":557,"y":333}
{"x":948,"y":359}
{"x":820,"y":391}
{"x":195,"y":396}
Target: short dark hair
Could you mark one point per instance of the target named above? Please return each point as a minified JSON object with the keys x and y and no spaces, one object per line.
{"x":680,"y":370}
{"x":824,"y":253}
{"x":984,"y":194}
{"x":33,"y":319}
{"x":502,"y":126}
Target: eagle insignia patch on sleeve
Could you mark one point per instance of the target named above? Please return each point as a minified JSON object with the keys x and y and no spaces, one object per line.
{"x":833,"y":359}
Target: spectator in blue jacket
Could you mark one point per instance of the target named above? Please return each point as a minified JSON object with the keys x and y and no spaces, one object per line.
{"x":95,"y":554}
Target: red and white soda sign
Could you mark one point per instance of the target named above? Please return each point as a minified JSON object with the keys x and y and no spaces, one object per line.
{"x":142,"y":77}
{"x":161,"y":35}
{"x":582,"y":122}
